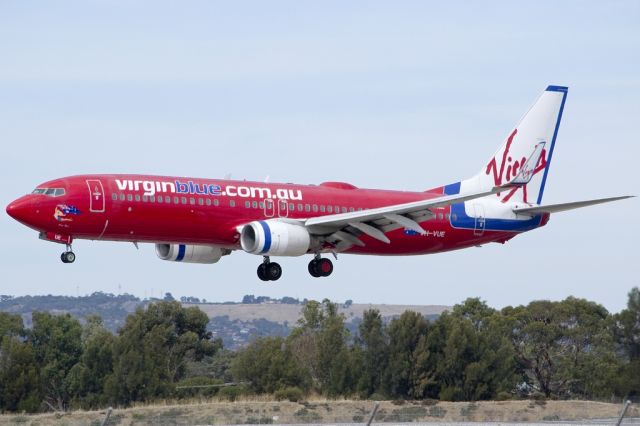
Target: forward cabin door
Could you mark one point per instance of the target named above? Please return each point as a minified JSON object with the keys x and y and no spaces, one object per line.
{"x":96,"y":196}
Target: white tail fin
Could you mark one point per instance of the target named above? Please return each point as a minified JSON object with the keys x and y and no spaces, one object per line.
{"x":537,"y":130}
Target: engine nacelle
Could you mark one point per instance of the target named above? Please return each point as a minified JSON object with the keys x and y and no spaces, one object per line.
{"x":275,"y":238}
{"x":189,"y":253}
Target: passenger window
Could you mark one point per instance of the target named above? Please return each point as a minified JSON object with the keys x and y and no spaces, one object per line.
{"x":446,"y":215}
{"x":232,"y":203}
{"x":129,"y":197}
{"x":292,"y":206}
{"x":351,"y":209}
{"x":159,"y":198}
{"x":192,"y":201}
{"x":322,"y":208}
{"x":299,"y":207}
{"x":307,"y":208}
{"x":152,"y":198}
{"x":254,"y":204}
{"x":167,"y":199}
{"x":183,"y":200}
{"x":176,"y":200}
{"x":315,"y":207}
{"x":145,"y":198}
{"x":208,"y":201}
{"x":440,"y":216}
{"x":200,"y":201}
{"x":344,"y":210}
{"x":262,"y":205}
{"x":247,"y":204}
{"x":359,"y":209}
{"x":330,"y":209}
{"x":121,"y":197}
{"x":114,"y":196}
{"x":216,"y":202}
{"x":137,"y":197}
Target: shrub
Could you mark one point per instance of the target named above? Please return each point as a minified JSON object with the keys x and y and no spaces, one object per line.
{"x":292,"y":393}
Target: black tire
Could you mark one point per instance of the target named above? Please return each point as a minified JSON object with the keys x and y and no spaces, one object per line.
{"x":63,"y":257}
{"x":274,"y":271}
{"x":262,"y":272}
{"x":313,"y":268}
{"x":325,"y":267}
{"x":69,"y":257}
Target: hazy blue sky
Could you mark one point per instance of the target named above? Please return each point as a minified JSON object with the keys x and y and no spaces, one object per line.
{"x":406,"y":95}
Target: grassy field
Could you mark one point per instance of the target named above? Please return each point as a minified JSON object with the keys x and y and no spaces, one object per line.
{"x":323,"y":411}
{"x":282,"y":313}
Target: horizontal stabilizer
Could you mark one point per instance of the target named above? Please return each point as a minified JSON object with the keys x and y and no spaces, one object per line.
{"x":555,"y":208}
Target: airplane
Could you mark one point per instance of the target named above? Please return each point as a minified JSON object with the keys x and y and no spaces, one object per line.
{"x":197,"y":220}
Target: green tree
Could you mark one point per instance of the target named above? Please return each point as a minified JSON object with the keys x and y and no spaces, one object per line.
{"x":404,"y":335}
{"x":565,"y":348}
{"x":19,"y":380}
{"x":627,"y":331}
{"x":56,"y":341}
{"x":373,"y":340}
{"x":268,"y":366}
{"x":153,"y":348}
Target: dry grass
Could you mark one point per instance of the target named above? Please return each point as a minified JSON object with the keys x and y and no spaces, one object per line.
{"x":317,"y":410}
{"x":282,"y":313}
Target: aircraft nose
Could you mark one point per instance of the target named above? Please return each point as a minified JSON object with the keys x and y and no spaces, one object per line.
{"x":21,"y":208}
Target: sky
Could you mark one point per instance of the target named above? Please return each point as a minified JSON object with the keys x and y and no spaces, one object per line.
{"x":395,"y":95}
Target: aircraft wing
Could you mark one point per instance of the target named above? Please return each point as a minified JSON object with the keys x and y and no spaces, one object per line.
{"x":555,"y":208}
{"x":345,"y":228}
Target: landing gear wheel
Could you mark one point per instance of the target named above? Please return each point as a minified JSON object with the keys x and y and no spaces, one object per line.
{"x":274,"y":271}
{"x":313,"y":268}
{"x":320,"y":267}
{"x":262,"y":272}
{"x":68,"y":257}
{"x":325,"y":267}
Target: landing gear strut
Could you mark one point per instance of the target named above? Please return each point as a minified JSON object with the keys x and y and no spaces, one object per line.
{"x":320,"y":267}
{"x":269,"y":271}
{"x":68,"y":256}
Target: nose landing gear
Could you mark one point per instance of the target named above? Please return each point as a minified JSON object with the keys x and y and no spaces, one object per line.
{"x":320,"y":267}
{"x":68,"y":256}
{"x":269,"y":271}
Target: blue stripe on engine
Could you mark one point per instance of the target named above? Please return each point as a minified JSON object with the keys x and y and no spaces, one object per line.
{"x":181,"y":250}
{"x":267,"y":236}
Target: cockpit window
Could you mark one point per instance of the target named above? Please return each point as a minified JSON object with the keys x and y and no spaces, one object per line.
{"x":52,"y":192}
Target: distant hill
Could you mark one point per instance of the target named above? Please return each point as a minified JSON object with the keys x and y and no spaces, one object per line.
{"x":235,"y":323}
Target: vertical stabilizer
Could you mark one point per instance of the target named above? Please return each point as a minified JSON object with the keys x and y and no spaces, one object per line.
{"x":537,"y":128}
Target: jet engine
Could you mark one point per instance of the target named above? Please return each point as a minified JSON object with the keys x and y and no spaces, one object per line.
{"x":190,"y":253}
{"x":275,"y":238}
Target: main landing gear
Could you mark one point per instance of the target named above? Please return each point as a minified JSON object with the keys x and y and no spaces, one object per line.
{"x":320,"y":267}
{"x":269,"y":271}
{"x":272,"y":271}
{"x":68,"y":256}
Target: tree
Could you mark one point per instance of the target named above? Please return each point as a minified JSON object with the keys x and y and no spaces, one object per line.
{"x":19,"y":380}
{"x":404,"y":334}
{"x":57,"y":345}
{"x":627,"y":332}
{"x":565,"y":348}
{"x":151,"y":353}
{"x":373,"y":341}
